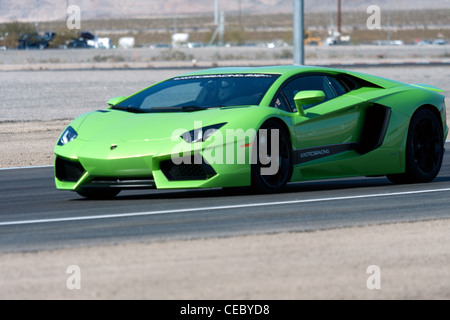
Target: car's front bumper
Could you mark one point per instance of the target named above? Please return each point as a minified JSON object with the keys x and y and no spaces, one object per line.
{"x":81,"y":165}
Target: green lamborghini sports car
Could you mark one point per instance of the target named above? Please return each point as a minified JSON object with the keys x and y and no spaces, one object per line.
{"x":259,"y":127}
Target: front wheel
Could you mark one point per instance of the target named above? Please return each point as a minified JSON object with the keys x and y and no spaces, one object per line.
{"x":424,"y":149}
{"x":272,"y":158}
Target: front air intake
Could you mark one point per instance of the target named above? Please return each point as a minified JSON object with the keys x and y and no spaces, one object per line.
{"x":68,"y":170}
{"x":185,"y":169}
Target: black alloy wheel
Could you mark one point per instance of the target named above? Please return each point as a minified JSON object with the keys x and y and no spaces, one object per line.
{"x":275,"y":181}
{"x":424,"y":149}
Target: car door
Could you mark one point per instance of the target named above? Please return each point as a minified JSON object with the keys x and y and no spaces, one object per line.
{"x":328,"y":128}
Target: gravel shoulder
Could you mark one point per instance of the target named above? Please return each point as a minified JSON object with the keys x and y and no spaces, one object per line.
{"x":333,"y":264}
{"x":31,"y":143}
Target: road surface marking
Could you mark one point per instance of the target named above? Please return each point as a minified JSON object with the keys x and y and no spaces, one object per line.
{"x":216,"y":208}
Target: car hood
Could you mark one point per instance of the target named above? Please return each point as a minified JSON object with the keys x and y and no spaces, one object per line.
{"x":125,"y":126}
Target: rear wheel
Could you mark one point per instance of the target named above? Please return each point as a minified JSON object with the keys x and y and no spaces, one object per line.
{"x":272,"y":168}
{"x":99,"y":194}
{"x":424,"y":149}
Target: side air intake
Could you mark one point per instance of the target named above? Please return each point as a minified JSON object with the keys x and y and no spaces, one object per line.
{"x":376,"y":121}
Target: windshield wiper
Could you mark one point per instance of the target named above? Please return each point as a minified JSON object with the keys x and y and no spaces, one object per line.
{"x":194,"y":108}
{"x":129,"y":109}
{"x":179,"y":108}
{"x":162,"y":109}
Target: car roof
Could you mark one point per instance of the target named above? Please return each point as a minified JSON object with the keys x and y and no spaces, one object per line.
{"x":283,"y":70}
{"x":287,"y":71}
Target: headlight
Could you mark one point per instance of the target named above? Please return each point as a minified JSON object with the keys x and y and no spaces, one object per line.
{"x":201,"y":134}
{"x":67,"y":136}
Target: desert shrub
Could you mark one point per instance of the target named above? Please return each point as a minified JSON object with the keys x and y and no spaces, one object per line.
{"x":11,"y":32}
{"x":175,"y":55}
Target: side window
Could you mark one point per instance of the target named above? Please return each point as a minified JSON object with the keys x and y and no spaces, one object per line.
{"x":280,"y":103}
{"x":337,"y":86}
{"x":312,"y":82}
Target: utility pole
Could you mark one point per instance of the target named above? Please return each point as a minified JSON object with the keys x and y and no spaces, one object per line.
{"x":216,"y":12}
{"x":240,"y":14}
{"x":389,"y":25}
{"x":339,"y":17}
{"x":219,"y":21}
{"x":36,"y":24}
{"x":221,"y":28}
{"x":220,"y":31}
{"x":175,"y":22}
{"x":299,"y":32}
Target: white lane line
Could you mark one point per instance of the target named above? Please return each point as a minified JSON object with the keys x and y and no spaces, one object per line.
{"x":238,"y":206}
{"x":17,"y":168}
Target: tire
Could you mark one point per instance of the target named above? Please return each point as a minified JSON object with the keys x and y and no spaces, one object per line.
{"x":424,"y":149}
{"x":99,"y":194}
{"x":272,"y":183}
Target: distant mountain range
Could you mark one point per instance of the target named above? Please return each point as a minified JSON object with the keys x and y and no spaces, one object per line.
{"x":51,"y":10}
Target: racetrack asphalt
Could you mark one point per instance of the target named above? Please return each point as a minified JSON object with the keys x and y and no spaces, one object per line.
{"x":36,"y":216}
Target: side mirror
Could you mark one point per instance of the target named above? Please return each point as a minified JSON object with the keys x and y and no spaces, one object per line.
{"x":116,"y":100}
{"x":304,"y":98}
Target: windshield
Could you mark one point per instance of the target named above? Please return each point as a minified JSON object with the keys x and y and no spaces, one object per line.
{"x":199,"y":92}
